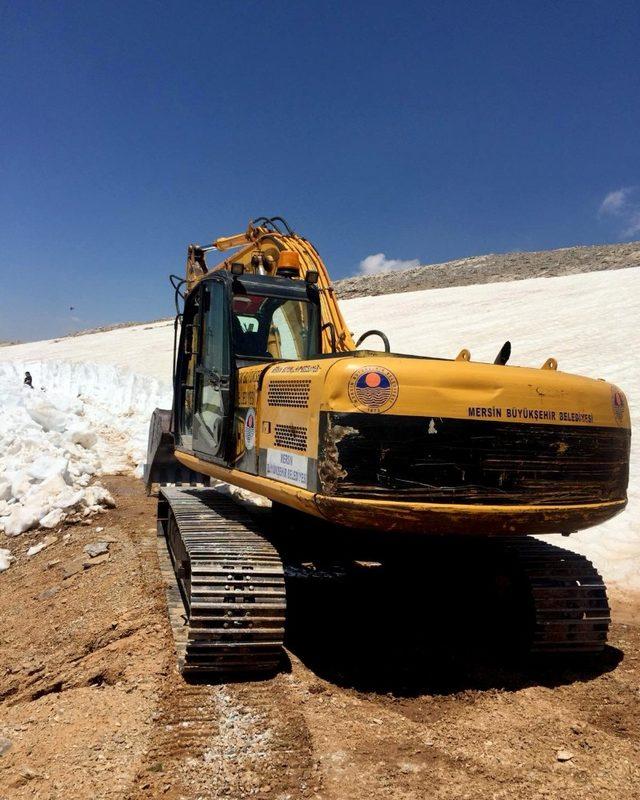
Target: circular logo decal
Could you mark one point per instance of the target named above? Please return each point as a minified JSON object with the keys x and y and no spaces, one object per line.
{"x":617,"y":402}
{"x":250,"y":429}
{"x":373,"y":389}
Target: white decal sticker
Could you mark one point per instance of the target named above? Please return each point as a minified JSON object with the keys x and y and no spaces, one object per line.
{"x":287,"y":467}
{"x":250,"y":429}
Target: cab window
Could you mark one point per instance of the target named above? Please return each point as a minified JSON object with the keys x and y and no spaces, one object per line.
{"x":275,"y":328}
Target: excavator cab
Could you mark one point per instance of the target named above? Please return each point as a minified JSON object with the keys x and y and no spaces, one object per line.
{"x":229,"y":322}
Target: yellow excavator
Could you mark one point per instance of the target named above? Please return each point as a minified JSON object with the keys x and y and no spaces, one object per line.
{"x":272,"y":395}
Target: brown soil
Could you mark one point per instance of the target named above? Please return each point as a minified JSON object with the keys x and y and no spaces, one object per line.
{"x":94,"y":708}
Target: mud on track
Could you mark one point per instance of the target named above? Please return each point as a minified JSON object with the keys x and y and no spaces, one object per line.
{"x":94,"y":708}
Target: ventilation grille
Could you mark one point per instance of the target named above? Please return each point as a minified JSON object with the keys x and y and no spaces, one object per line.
{"x":291,"y":436}
{"x":293,"y":394}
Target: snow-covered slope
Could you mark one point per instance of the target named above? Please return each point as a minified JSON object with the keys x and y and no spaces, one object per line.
{"x":79,"y":421}
{"x":143,"y":349}
{"x":86,"y":416}
{"x":587,"y":321}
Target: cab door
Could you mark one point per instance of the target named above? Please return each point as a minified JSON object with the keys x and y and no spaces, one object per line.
{"x":213,"y":386}
{"x":185,"y":374}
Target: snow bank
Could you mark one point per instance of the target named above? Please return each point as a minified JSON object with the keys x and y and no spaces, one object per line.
{"x":79,"y":421}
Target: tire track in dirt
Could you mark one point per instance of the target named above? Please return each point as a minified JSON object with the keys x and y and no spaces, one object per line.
{"x":223,"y":739}
{"x":238,"y":740}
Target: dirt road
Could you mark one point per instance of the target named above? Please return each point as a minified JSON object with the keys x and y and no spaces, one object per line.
{"x":91,"y":705}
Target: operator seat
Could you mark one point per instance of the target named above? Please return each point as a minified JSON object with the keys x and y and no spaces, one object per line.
{"x":249,"y":343}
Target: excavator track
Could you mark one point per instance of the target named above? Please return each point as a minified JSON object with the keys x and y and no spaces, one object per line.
{"x":566,"y":597}
{"x":225,"y":584}
{"x":226,"y":588}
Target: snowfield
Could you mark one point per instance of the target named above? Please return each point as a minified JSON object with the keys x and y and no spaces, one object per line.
{"x":101,"y":388}
{"x":79,"y":421}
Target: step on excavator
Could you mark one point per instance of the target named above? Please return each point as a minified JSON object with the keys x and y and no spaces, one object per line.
{"x":363,"y":454}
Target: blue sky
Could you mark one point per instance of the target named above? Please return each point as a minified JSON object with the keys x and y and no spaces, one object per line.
{"x":428,"y":131}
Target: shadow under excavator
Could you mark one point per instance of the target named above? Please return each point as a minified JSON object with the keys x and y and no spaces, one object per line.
{"x":410,"y":629}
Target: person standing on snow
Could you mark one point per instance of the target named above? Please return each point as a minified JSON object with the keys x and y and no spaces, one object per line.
{"x":28,"y":380}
